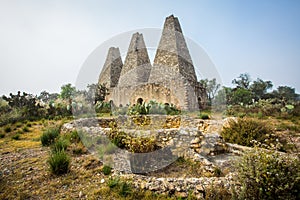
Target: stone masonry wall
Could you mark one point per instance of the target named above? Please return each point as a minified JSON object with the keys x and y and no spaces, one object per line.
{"x":172,"y":50}
{"x":112,"y":68}
{"x":137,"y":64}
{"x":184,"y":138}
{"x":172,"y":75}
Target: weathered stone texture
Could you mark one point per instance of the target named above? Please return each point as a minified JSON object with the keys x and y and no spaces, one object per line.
{"x":172,"y":79}
{"x":137,"y":64}
{"x":173,"y":65}
{"x":173,"y":52}
{"x":181,"y":88}
{"x":112,"y":68}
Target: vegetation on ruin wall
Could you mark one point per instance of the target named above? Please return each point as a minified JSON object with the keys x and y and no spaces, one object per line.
{"x":131,"y":143}
{"x":153,"y":107}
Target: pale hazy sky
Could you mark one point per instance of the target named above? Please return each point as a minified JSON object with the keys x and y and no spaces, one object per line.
{"x":43,"y":43}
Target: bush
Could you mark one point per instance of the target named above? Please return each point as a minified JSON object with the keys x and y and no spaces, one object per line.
{"x":268,"y":175}
{"x":204,"y":116}
{"x":60,"y":145}
{"x":74,"y":137}
{"x":103,"y":107}
{"x":48,"y":136}
{"x":113,"y":182}
{"x":246,"y":131}
{"x":25,"y":129}
{"x":28,"y":124}
{"x":142,"y":145}
{"x":118,"y":138}
{"x":2,"y":135}
{"x":18,"y":124}
{"x":16,"y":136}
{"x":124,"y":189}
{"x":59,"y":162}
{"x":106,"y":170}
{"x":7,"y":129}
{"x":153,"y":107}
{"x":133,"y":144}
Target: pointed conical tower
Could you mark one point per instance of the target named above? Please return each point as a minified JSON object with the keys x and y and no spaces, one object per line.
{"x":112,"y":68}
{"x":173,"y":67}
{"x":137,"y":64}
{"x":173,"y":52}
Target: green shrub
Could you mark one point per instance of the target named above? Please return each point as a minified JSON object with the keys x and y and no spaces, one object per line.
{"x":74,"y":137}
{"x":247,"y":131}
{"x":103,"y":107}
{"x":59,"y":162}
{"x":153,"y":107}
{"x":113,"y":182}
{"x":18,"y":124}
{"x":25,"y":129}
{"x":16,"y":136}
{"x":2,"y":135}
{"x":141,"y":145}
{"x":268,"y":175}
{"x":106,"y":170}
{"x":118,"y":138}
{"x":133,"y":144}
{"x":204,"y":116}
{"x":125,"y":189}
{"x":60,"y":145}
{"x":28,"y":124}
{"x":48,"y":136}
{"x":7,"y":129}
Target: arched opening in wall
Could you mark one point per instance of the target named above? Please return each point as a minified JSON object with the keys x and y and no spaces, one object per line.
{"x":139,"y":101}
{"x":167,"y":104}
{"x":111,"y":103}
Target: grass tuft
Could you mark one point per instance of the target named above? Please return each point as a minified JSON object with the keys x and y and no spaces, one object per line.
{"x":25,"y":129}
{"x":59,"y":162}
{"x":106,"y":170}
{"x":16,"y":136}
{"x":60,"y":145}
{"x":7,"y":129}
{"x":2,"y":135}
{"x":48,"y":136}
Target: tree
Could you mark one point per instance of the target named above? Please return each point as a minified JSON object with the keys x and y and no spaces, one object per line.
{"x":96,"y":92}
{"x":241,"y":96}
{"x":224,"y":96}
{"x":243,"y":81}
{"x":260,"y":88}
{"x":44,"y":96}
{"x":285,"y":93}
{"x":211,"y":87}
{"x":67,"y":91}
{"x":26,"y":103}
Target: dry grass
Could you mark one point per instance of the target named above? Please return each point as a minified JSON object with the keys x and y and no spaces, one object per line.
{"x":26,"y":173}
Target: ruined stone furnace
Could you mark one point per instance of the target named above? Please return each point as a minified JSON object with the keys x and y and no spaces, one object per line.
{"x":171,"y":79}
